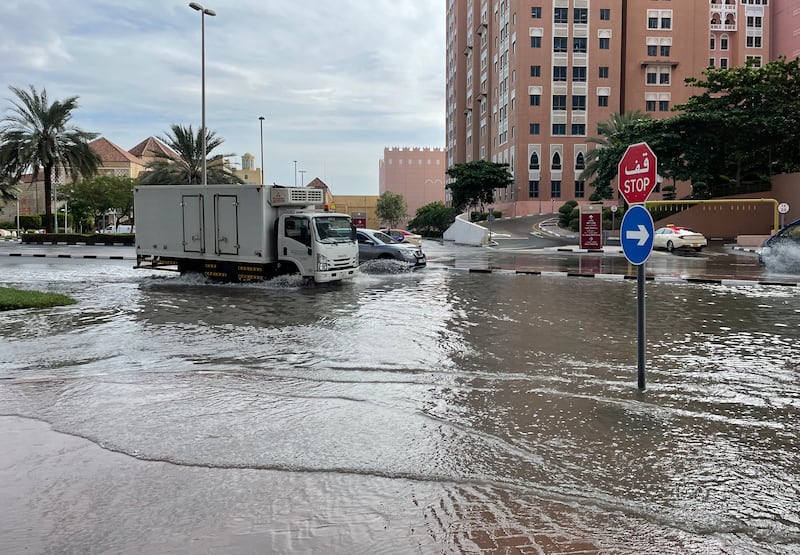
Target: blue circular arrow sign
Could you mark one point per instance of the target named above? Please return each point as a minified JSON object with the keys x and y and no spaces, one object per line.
{"x":636,"y":234}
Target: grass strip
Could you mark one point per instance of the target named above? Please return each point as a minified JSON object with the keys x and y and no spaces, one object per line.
{"x":15,"y":299}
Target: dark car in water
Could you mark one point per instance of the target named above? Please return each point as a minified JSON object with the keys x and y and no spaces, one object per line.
{"x":782,"y":249}
{"x":376,"y":245}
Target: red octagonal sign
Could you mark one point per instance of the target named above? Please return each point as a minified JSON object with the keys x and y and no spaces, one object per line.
{"x":637,"y":173}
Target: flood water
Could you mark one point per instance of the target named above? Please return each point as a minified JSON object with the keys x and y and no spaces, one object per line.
{"x":428,"y":412}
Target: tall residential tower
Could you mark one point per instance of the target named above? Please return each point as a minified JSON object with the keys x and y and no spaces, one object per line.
{"x":528,"y":81}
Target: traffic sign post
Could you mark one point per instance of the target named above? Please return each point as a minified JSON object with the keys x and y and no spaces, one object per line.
{"x":783,"y":209}
{"x":637,"y":179}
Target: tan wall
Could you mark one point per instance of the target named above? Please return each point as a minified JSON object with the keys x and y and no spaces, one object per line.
{"x":723,"y":220}
{"x":351,"y":204}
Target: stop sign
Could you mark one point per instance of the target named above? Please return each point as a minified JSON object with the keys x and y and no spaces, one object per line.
{"x":637,"y":173}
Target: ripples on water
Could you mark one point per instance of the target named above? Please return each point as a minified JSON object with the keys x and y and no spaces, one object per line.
{"x":510,"y":401}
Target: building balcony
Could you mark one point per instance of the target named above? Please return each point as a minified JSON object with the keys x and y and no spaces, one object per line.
{"x":723,"y":26}
{"x":657,"y":62}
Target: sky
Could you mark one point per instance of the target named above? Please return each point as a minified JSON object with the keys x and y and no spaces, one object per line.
{"x":336,"y":83}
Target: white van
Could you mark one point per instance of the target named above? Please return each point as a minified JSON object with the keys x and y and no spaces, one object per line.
{"x":122,"y":228}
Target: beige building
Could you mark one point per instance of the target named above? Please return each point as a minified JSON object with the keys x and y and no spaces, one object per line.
{"x":417,"y":174}
{"x":528,"y":81}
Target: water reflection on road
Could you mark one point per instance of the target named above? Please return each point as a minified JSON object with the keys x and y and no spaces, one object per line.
{"x":430,"y":411}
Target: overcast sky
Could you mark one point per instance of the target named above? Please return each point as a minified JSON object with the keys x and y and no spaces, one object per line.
{"x":336,"y":80}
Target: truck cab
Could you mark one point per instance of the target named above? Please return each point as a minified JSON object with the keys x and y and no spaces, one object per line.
{"x":319,"y":244}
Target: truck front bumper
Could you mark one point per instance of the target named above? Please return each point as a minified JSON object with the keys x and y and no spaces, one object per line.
{"x":335,"y":275}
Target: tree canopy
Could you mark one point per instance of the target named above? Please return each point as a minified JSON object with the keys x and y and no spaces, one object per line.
{"x":475,"y":182}
{"x":36,"y":136}
{"x":732,"y":137}
{"x":433,"y":219}
{"x":188,"y":166}
{"x":391,"y":208}
{"x":90,"y":199}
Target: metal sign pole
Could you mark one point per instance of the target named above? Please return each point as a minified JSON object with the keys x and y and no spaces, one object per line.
{"x":641,"y":337}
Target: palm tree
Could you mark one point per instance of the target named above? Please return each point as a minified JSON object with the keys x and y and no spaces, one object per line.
{"x":37,"y":136}
{"x":187,"y":166}
{"x":614,"y":137}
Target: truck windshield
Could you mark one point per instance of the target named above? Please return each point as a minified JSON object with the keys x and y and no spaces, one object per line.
{"x":334,"y":229}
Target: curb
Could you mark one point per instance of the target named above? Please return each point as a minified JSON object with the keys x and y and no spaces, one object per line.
{"x":58,"y":255}
{"x":622,"y":277}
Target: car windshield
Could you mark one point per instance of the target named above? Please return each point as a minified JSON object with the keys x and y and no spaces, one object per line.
{"x":334,"y":229}
{"x":383,"y":238}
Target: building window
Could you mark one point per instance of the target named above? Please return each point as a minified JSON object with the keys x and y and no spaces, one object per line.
{"x":652,"y":49}
{"x":559,"y":102}
{"x":753,"y":42}
{"x":712,"y":43}
{"x":602,"y":101}
{"x":533,"y":189}
{"x":666,"y":23}
{"x":711,"y":62}
{"x":605,"y":14}
{"x":579,"y":129}
{"x":559,"y":73}
{"x":652,"y":77}
{"x":604,"y":43}
{"x":534,"y":161}
{"x":723,"y":63}
{"x":533,"y":128}
{"x":561,"y":15}
{"x":560,"y":44}
{"x":559,"y":129}
{"x":663,"y":105}
{"x":580,"y":189}
{"x":652,"y":22}
{"x":555,"y":165}
{"x":536,"y":42}
{"x":536,"y":71}
{"x":663,"y":78}
{"x":602,"y":72}
{"x":579,"y":44}
{"x":579,"y":102}
{"x":555,"y":189}
{"x":536,"y":99}
{"x":579,"y":74}
{"x":580,"y":15}
{"x":723,"y":42}
{"x":536,"y":12}
{"x":580,"y":161}
{"x":650,"y":105}
{"x":755,"y":61}
{"x":665,"y":51}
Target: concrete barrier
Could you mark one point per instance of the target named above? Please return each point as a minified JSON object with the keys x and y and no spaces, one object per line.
{"x":464,"y":232}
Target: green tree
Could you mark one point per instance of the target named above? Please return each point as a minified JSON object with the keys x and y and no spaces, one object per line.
{"x":391,"y":208}
{"x":90,"y":199}
{"x":188,"y":166}
{"x":37,"y":136}
{"x":433,"y":219}
{"x":474,"y":183}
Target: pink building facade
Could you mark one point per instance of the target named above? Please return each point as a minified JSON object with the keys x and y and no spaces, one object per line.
{"x":417,"y":174}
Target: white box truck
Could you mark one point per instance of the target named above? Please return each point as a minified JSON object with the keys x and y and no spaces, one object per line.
{"x":243,"y":232}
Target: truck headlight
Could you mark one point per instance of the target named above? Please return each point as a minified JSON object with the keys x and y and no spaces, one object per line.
{"x":322,"y":263}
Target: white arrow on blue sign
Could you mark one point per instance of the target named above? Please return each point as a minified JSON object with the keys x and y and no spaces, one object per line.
{"x":636,"y":234}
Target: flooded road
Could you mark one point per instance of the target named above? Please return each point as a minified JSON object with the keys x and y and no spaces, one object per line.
{"x":425,"y":412}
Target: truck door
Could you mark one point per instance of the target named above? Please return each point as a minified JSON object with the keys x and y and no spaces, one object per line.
{"x":226,"y":232}
{"x":294,"y":243}
{"x":193,"y":224}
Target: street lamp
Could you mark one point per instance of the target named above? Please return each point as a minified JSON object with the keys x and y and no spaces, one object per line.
{"x":261,"y":123}
{"x":203,"y":13}
{"x":302,"y":177}
{"x":295,"y":173}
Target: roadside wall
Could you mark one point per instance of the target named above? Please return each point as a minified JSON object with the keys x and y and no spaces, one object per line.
{"x":464,"y":232}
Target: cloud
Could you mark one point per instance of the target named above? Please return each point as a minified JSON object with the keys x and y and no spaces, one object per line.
{"x":336,"y":82}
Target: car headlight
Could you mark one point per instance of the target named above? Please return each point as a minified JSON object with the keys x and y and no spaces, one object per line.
{"x":322,"y":263}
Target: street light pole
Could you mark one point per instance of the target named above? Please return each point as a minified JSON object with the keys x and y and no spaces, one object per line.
{"x":295,"y":173}
{"x":302,"y":177}
{"x":261,"y":122}
{"x":203,"y":13}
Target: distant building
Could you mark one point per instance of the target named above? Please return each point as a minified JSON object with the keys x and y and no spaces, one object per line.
{"x":248,"y":173}
{"x":417,"y":174}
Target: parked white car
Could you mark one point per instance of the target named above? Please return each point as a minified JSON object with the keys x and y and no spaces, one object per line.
{"x":122,"y":228}
{"x":674,"y":237}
